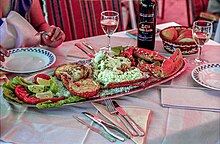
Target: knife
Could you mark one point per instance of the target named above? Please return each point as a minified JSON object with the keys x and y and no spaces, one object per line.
{"x":88,"y":46}
{"x":129,"y":119}
{"x":108,"y":137}
{"x":81,"y":48}
{"x":105,"y":125}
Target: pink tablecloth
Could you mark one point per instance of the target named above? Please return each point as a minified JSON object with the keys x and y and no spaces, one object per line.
{"x":172,"y":126}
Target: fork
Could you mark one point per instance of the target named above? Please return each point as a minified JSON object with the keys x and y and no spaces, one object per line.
{"x":113,"y":111}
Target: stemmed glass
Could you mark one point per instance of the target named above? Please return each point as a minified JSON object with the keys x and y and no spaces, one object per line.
{"x":201,"y":32}
{"x":109,"y":22}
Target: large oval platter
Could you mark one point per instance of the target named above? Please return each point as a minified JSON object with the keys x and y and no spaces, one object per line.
{"x":102,"y":96}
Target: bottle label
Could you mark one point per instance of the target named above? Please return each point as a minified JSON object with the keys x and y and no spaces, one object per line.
{"x":146,"y":27}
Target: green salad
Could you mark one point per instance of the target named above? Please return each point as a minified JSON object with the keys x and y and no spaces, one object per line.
{"x":46,"y":92}
{"x":107,"y":69}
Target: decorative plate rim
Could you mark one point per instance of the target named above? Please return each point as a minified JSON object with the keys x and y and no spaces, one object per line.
{"x":49,"y":54}
{"x":195,"y":72}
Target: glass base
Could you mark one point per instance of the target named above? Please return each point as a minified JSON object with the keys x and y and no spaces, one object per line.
{"x":108,"y":50}
{"x":197,"y":62}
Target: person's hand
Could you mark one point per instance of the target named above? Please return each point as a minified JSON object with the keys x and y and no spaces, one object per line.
{"x":53,"y":37}
{"x":3,"y":53}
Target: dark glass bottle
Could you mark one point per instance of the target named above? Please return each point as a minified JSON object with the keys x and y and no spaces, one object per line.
{"x":147,"y":24}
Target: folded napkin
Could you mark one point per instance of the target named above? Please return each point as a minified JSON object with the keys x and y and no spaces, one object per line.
{"x":17,"y":32}
{"x":190,"y":98}
{"x":142,"y":119}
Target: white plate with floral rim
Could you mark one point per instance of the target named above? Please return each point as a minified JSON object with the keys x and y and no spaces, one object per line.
{"x":27,"y":60}
{"x":207,"y":75}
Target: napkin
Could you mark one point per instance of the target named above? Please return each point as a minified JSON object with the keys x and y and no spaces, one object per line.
{"x":191,"y":98}
{"x":142,"y":119}
{"x":17,"y":32}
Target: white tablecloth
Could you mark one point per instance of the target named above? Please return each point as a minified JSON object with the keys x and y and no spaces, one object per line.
{"x":168,"y":126}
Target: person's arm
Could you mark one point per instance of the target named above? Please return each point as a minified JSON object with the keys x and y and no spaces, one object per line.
{"x":1,"y":10}
{"x":37,"y":18}
{"x":3,"y":53}
{"x":54,"y":35}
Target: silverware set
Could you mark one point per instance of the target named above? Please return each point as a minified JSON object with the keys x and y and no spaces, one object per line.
{"x":110,"y":128}
{"x":79,"y":45}
{"x":86,"y":48}
{"x":115,"y":109}
{"x":89,"y":46}
{"x":129,"y":120}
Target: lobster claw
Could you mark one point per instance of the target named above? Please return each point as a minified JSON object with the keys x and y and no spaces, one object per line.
{"x":159,"y":65}
{"x":173,"y":64}
{"x":168,"y":67}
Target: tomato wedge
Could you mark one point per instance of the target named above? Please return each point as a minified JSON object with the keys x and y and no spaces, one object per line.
{"x":31,"y":99}
{"x":23,"y":95}
{"x":35,"y":100}
{"x":43,"y":76}
{"x":20,"y":92}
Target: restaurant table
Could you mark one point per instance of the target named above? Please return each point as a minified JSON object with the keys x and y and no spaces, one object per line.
{"x":25,"y":125}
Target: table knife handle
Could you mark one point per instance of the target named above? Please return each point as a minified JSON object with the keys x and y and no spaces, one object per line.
{"x":111,"y":133}
{"x":108,"y":137}
{"x":127,"y":125}
{"x":134,"y":125}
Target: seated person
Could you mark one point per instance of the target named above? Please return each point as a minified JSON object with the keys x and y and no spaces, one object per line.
{"x":32,"y":12}
{"x":3,"y":52}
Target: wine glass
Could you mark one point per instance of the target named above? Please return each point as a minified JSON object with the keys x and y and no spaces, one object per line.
{"x":109,"y":23}
{"x":201,"y":32}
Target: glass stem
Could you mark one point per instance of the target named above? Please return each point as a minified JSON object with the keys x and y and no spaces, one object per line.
{"x":199,"y":52}
{"x":109,"y":43}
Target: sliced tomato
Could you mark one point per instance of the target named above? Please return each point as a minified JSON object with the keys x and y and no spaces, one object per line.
{"x":23,"y":95}
{"x":31,"y":99}
{"x":20,"y":92}
{"x":35,"y":100}
{"x":43,"y":76}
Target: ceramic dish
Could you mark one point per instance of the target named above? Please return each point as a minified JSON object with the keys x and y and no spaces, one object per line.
{"x":27,"y":60}
{"x":146,"y":85}
{"x":207,"y":75}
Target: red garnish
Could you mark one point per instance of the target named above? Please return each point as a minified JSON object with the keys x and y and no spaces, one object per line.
{"x":23,"y":95}
{"x":43,"y":76}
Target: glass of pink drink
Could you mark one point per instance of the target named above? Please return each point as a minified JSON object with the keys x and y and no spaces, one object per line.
{"x":201,"y":32}
{"x":109,"y":23}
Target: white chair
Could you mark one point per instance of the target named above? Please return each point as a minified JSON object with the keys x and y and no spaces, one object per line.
{"x":132,"y":14}
{"x":217,"y":33}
